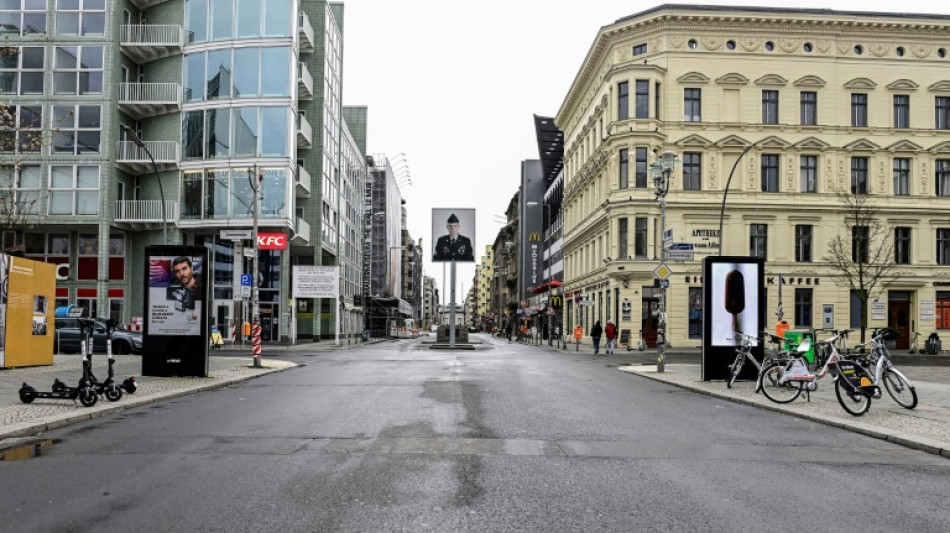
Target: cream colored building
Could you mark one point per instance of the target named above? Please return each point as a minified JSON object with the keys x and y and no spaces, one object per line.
{"x":831,"y":100}
{"x":483,"y":277}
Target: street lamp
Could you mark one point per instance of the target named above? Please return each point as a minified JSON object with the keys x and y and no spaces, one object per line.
{"x":138,"y":142}
{"x":662,"y":168}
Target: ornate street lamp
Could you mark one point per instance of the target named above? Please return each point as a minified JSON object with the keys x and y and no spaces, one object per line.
{"x":662,"y":169}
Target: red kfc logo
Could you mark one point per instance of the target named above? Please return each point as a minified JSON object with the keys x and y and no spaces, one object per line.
{"x":272,"y":241}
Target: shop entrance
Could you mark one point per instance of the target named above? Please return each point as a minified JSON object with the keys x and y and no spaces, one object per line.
{"x":269,"y":322}
{"x":898,"y":317}
{"x":650,"y":311}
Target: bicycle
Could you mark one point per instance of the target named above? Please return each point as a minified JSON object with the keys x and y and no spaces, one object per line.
{"x":744,"y":353}
{"x":785,"y":382}
{"x":882,"y":370}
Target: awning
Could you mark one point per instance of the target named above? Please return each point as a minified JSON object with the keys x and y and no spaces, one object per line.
{"x":545,"y":287}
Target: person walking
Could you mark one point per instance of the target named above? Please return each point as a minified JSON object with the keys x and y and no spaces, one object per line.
{"x":610,"y":331}
{"x":595,"y":333}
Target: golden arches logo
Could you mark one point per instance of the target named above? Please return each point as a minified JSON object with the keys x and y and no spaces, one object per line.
{"x":534,"y":236}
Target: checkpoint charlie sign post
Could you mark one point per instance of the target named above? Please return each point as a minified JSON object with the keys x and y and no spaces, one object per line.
{"x":318,"y":282}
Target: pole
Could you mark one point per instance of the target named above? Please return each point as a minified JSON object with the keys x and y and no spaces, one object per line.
{"x":722,"y":210}
{"x":661,"y":327}
{"x":452,"y":310}
{"x":255,"y":295}
{"x":339,"y":314}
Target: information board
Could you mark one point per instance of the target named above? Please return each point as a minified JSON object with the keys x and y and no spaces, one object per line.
{"x":316,"y":281}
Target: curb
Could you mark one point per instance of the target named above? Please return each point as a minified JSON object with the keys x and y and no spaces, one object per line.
{"x":923,"y":444}
{"x":51,"y":422}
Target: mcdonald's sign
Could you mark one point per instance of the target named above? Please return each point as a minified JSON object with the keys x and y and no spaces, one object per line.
{"x":556,"y":301}
{"x":534,"y":236}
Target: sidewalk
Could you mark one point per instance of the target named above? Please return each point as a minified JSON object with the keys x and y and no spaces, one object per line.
{"x":226,"y":366}
{"x":926,"y":428}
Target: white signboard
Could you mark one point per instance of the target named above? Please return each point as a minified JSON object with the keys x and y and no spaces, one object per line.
{"x":316,"y":281}
{"x":236,"y":234}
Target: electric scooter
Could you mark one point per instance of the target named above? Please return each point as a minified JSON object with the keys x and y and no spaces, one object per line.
{"x":109,"y":388}
{"x":85,"y":391}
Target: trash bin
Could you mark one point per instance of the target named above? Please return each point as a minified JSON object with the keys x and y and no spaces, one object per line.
{"x":795,"y":337}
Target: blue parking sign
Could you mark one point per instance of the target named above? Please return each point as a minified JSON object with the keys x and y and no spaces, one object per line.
{"x":246,"y":280}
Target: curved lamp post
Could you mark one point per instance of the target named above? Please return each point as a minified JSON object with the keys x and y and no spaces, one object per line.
{"x":138,"y":142}
{"x":662,"y":169}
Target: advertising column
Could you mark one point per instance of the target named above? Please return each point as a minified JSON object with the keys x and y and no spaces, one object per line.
{"x":733,"y":300}
{"x":27,"y":291}
{"x":175,"y":334}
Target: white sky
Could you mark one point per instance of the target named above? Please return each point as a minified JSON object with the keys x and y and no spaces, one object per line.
{"x":454,"y":85}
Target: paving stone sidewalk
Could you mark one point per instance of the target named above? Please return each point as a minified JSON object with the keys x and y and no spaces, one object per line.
{"x":926,"y":428}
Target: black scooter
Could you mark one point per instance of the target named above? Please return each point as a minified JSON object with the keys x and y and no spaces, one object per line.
{"x":85,"y":391}
{"x":107,"y":388}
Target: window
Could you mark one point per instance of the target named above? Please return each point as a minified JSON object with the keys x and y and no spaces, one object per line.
{"x":21,"y":69}
{"x":643,"y":99}
{"x":624,"y":168}
{"x":695,"y":312}
{"x":769,"y":107}
{"x":74,"y":190}
{"x":901,"y":111}
{"x":692,"y":171}
{"x":22,"y":131}
{"x":236,"y":73}
{"x":859,"y":110}
{"x":79,"y":129}
{"x":943,"y":246}
{"x":241,"y":131}
{"x":856,"y":307}
{"x":623,"y":100}
{"x":639,"y":49}
{"x":758,"y":240}
{"x":622,"y":244}
{"x":803,"y":240}
{"x":901,"y":176}
{"x":223,"y":193}
{"x":692,"y":105}
{"x":809,"y":108}
{"x":640,"y":238}
{"x":77,"y":70}
{"x":22,"y":17}
{"x":943,"y":310}
{"x":803,"y":308}
{"x":859,"y":175}
{"x":641,"y":168}
{"x":942,"y":176}
{"x":28,"y":190}
{"x":80,"y":17}
{"x":770,"y":173}
{"x":942,"y":120}
{"x":902,"y":246}
{"x":656,"y":100}
{"x":808,"y":165}
{"x":860,"y":244}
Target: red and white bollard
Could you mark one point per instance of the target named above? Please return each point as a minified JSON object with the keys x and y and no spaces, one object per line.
{"x":256,"y":343}
{"x":233,"y":333}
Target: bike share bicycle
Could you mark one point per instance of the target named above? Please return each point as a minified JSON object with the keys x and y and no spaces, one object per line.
{"x":772,"y":355}
{"x":878,"y":360}
{"x":785,"y":382}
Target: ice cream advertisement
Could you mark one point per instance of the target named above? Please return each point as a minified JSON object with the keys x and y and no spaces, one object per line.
{"x":735,"y":297}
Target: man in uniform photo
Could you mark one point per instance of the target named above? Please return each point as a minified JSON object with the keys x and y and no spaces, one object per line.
{"x":453,"y":247}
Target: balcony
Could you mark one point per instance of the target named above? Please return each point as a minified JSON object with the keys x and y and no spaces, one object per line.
{"x":145,"y":4}
{"x":304,"y":82}
{"x":144,"y":214}
{"x":141,"y":100}
{"x":134,"y":160}
{"x":302,"y":235}
{"x":303,"y":182}
{"x":304,"y":132}
{"x":304,"y":32}
{"x":144,"y":43}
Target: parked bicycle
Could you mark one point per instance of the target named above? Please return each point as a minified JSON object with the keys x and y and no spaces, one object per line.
{"x":785,"y":381}
{"x":744,"y":353}
{"x":913,"y":344}
{"x":878,"y":361}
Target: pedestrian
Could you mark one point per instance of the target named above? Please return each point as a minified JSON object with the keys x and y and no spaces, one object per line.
{"x":595,"y":333}
{"x":610,"y":331}
{"x":508,"y":331}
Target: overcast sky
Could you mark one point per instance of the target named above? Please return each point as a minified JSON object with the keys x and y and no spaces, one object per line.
{"x":454,"y":86}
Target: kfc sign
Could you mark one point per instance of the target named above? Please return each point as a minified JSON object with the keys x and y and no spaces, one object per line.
{"x":272,"y":241}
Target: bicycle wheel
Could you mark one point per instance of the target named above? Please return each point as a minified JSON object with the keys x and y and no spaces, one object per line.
{"x":735,"y":368}
{"x":899,"y":389}
{"x":851,"y":400}
{"x":779,"y":392}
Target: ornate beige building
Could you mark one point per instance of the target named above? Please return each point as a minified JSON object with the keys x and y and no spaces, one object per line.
{"x":831,"y":101}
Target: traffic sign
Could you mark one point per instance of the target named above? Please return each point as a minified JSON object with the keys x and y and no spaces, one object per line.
{"x":246,"y":280}
{"x":663,"y":271}
{"x":245,"y":291}
{"x":236,"y":234}
{"x":682,"y":246}
{"x":668,"y":234}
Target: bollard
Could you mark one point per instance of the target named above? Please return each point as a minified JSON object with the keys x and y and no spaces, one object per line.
{"x":256,"y":343}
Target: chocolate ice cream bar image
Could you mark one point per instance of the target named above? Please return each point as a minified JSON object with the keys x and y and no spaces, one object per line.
{"x":735,"y":296}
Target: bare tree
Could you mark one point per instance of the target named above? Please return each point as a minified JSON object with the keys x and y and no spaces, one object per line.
{"x":862,"y":254}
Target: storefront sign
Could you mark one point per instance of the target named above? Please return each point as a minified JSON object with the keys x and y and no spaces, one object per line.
{"x":272,"y":241}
